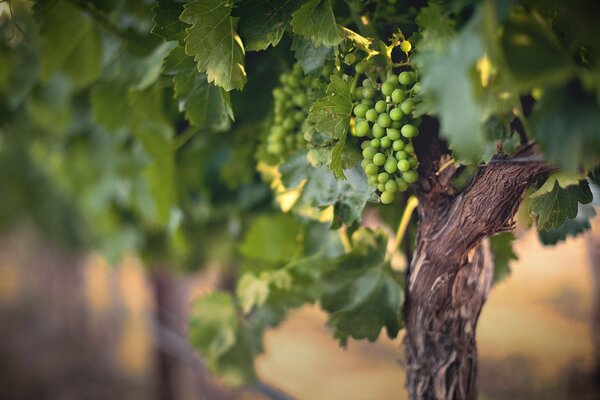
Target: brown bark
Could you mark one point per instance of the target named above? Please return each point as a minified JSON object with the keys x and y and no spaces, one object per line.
{"x":451,"y":270}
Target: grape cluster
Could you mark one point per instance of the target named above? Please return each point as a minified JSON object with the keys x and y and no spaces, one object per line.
{"x":291,"y":101}
{"x":383,"y":117}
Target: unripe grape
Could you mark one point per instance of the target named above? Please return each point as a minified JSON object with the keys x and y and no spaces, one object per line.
{"x":396,"y":114}
{"x":350,"y":58}
{"x":371,"y":169}
{"x":369,"y":152}
{"x":416,"y":88}
{"x":288,"y":123}
{"x":381,"y":106}
{"x":368,"y":93}
{"x":397,"y":145}
{"x":405,"y":78}
{"x":378,"y":131}
{"x":371,"y":115}
{"x":410,"y":176}
{"x":360,"y":110}
{"x":299,"y":116}
{"x":387,"y":197}
{"x":393,"y":79}
{"x":374,"y":143}
{"x":381,"y":187}
{"x":384,"y":120}
{"x":398,"y":96}
{"x":387,"y":88}
{"x":405,"y":46}
{"x":364,"y":163}
{"x":409,"y":131}
{"x":364,"y":144}
{"x":403,"y":165}
{"x":362,"y":129}
{"x":367,"y":102}
{"x":396,"y":124}
{"x":300,"y":100}
{"x":401,"y":155}
{"x":391,"y":186}
{"x":360,"y":67}
{"x":390,"y":165}
{"x":383,"y":177}
{"x":409,"y":148}
{"x":393,"y":134}
{"x":379,"y":159}
{"x":385,"y":142}
{"x":413,"y":162}
{"x":372,"y":179}
{"x":407,"y":106}
{"x":401,"y":184}
{"x":358,"y":93}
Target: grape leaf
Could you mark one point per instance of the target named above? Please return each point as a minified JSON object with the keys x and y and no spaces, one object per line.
{"x":362,"y":293}
{"x":552,"y":209}
{"x":566,"y":124}
{"x":311,"y":58}
{"x":214,"y":43}
{"x":571,"y":227}
{"x":262,"y":22}
{"x":110,"y":105}
{"x":215,"y":330}
{"x":166,"y":20}
{"x":564,"y":180}
{"x":533,"y":54}
{"x":436,"y":28}
{"x":322,"y":189}
{"x":501,"y":246}
{"x":271,"y":239}
{"x":200,"y":101}
{"x":331,"y":114}
{"x":315,"y":21}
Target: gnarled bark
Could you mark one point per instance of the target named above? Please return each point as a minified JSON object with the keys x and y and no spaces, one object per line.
{"x":451,"y":270}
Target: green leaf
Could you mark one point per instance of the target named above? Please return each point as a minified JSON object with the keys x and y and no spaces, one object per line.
{"x":566,"y":124}
{"x":311,"y":58}
{"x":571,"y":227}
{"x":214,"y":43}
{"x":331,"y":114}
{"x":110,"y":104}
{"x":166,"y":20}
{"x":564,"y":180}
{"x":533,"y":53}
{"x":436,"y":28}
{"x":501,"y":246}
{"x":315,"y":21}
{"x":271,"y":239}
{"x":69,"y":41}
{"x":322,"y":189}
{"x":262,"y":22}
{"x":200,"y":102}
{"x":215,"y":330}
{"x":552,"y":209}
{"x":447,"y":80}
{"x":362,"y":293}
{"x":252,"y":291}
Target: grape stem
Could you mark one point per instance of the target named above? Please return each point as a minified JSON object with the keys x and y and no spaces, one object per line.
{"x":410,"y":207}
{"x":345,"y":239}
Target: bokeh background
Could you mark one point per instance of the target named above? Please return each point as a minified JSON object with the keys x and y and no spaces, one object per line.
{"x":75,"y":327}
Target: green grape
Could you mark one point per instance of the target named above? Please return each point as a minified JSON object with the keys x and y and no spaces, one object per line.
{"x":383,"y":177}
{"x":360,"y":67}
{"x":367,"y":102}
{"x":401,"y":184}
{"x":413,"y":162}
{"x":381,"y":187}
{"x":369,"y":152}
{"x":293,"y":81}
{"x":371,"y":169}
{"x":360,"y":110}
{"x":405,"y":46}
{"x":300,"y":100}
{"x":299,"y":116}
{"x":364,"y":144}
{"x":393,"y":79}
{"x":409,"y":148}
{"x":371,"y":115}
{"x":368,"y":93}
{"x":358,"y":93}
{"x":397,"y":145}
{"x":378,"y":131}
{"x":398,"y":96}
{"x":375,"y":143}
{"x":364,"y":163}
{"x":275,"y":148}
{"x":391,"y":165}
{"x":278,"y":93}
{"x":396,"y":114}
{"x":367,"y":83}
{"x":403,"y":165}
{"x":387,"y":88}
{"x":396,"y":124}
{"x":362,"y":129}
{"x":350,"y":59}
{"x":288,"y":123}
{"x":391,"y":186}
{"x":384,"y":120}
{"x":409,"y":131}
{"x":410,"y":176}
{"x":407,"y":106}
{"x":387,"y":197}
{"x":372,"y":179}
{"x":385,"y":142}
{"x":416,"y":88}
{"x":401,"y":155}
{"x":393,"y":134}
{"x":381,"y":106}
{"x":405,"y":78}
{"x":379,"y":159}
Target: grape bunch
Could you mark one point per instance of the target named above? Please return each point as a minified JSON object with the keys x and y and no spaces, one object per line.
{"x":291,"y":102}
{"x":383,"y":117}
